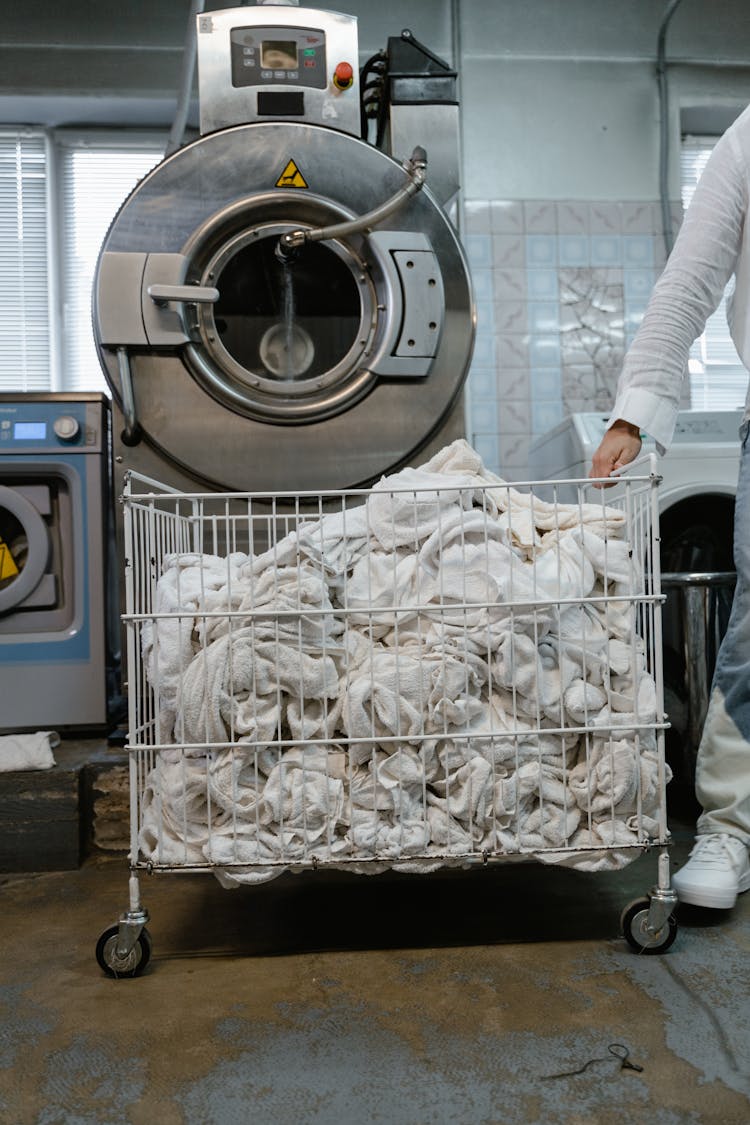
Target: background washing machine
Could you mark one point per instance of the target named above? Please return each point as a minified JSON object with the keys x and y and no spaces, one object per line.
{"x":696,"y":506}
{"x":55,"y":504}
{"x":238,"y":367}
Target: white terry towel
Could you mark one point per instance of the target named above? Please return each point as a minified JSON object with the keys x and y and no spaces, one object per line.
{"x":236,"y":687}
{"x":28,"y":751}
{"x":526,"y":514}
{"x":390,"y":580}
{"x":302,"y":794}
{"x":169,"y":641}
{"x":538,"y":672}
{"x":385,"y":696}
{"x":404,"y":509}
{"x":466,"y":795}
{"x":332,"y":543}
{"x":380,"y":836}
{"x":294,"y":598}
{"x":174,"y":812}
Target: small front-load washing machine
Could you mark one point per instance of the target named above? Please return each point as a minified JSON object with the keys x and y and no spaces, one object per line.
{"x":54,"y":520}
{"x":696,"y":517}
{"x":699,"y":475}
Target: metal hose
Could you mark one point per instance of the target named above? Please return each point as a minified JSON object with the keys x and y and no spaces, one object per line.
{"x":415,"y":166}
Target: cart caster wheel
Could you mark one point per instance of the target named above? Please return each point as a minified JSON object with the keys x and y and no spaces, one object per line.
{"x":633,"y":922}
{"x":130,"y":966}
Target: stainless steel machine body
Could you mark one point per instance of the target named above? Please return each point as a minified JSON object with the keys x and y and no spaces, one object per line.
{"x":235,"y":368}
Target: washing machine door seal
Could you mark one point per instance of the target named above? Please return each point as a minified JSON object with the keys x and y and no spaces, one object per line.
{"x":19,"y":588}
{"x":381,"y":335}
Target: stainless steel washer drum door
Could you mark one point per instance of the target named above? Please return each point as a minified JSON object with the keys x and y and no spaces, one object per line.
{"x":323,"y":373}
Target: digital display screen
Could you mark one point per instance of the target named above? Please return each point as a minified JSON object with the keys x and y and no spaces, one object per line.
{"x":279,"y":54}
{"x":30,"y":431}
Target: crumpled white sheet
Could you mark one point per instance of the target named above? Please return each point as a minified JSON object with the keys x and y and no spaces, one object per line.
{"x":405,"y":679}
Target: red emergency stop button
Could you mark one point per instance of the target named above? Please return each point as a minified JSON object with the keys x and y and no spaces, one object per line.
{"x":343,"y":76}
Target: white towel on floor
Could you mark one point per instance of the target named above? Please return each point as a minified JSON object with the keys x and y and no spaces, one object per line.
{"x":28,"y":751}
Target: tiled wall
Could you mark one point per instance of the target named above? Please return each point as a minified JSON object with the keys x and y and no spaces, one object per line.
{"x":561,"y":288}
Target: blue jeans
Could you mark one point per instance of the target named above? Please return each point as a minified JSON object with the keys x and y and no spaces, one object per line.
{"x":722,"y":780}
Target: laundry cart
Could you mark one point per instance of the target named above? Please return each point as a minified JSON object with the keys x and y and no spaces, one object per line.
{"x":442,"y":670}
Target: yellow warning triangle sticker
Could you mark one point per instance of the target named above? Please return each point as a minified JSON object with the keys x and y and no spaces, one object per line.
{"x":291,"y":177}
{"x":8,"y":568}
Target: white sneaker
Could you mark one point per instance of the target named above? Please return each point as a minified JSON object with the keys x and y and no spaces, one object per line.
{"x":716,"y":872}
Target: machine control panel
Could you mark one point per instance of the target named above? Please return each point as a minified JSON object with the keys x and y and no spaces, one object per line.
{"x":279,"y":56}
{"x":39,"y":426}
{"x":691,"y":426}
{"x":261,"y":64}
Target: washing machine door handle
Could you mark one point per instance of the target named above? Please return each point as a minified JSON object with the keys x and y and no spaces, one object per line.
{"x":16,"y":592}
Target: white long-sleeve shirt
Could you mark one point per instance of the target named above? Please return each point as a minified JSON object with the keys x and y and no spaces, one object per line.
{"x":713,"y":243}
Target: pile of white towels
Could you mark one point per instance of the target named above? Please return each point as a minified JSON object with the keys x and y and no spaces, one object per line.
{"x":450,"y":668}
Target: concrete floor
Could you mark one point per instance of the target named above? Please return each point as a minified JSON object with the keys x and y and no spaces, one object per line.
{"x":332,"y":1000}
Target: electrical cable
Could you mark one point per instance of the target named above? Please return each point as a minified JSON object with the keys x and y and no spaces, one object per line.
{"x":177,"y":132}
{"x":661,"y":75}
{"x":618,"y":1050}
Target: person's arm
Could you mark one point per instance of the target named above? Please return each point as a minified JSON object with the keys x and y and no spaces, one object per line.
{"x":689,"y":290}
{"x":687,"y":293}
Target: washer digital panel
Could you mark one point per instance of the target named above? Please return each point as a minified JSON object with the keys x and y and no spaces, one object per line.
{"x":293,"y":56}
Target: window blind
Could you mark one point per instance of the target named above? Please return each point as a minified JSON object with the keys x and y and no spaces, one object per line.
{"x":718,"y":379}
{"x":24,"y":300}
{"x":96,"y":176}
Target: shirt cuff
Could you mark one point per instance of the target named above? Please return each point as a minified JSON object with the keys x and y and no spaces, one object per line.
{"x":651,"y":413}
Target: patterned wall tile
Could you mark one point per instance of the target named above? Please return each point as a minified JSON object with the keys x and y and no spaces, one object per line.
{"x":545,"y":414}
{"x":487,"y":446}
{"x":483,"y":382}
{"x":510,"y":285}
{"x":478,"y":250}
{"x":506,"y":216}
{"x":605,"y":218}
{"x":545,"y":382}
{"x":637,"y":218}
{"x":508,"y":251}
{"x":572,"y":218}
{"x":637,"y":250}
{"x":541,"y":285}
{"x":574,"y":250}
{"x":514,"y":416}
{"x":605,"y":250}
{"x":484,"y":289}
{"x":513,"y":350}
{"x":560,"y":289}
{"x":485,"y":350}
{"x":513,"y":383}
{"x":541,"y":251}
{"x":540,"y":217}
{"x":544,"y":351}
{"x":511,"y":316}
{"x":513,"y":456}
{"x":543,"y":316}
{"x":476,"y":217}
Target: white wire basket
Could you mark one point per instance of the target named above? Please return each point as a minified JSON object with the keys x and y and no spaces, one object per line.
{"x":445,"y":669}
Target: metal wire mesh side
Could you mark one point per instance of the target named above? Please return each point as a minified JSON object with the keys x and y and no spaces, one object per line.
{"x":442,"y":669}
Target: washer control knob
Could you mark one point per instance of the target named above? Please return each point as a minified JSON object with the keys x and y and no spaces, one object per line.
{"x":66,"y":427}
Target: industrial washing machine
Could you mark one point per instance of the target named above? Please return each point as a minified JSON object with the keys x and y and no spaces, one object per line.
{"x":696,"y":505}
{"x":55,"y":504}
{"x":284,"y":302}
